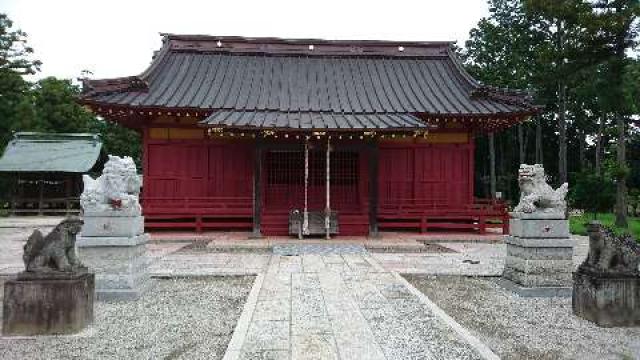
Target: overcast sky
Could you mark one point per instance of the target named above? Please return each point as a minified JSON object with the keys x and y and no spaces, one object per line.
{"x":117,"y":37}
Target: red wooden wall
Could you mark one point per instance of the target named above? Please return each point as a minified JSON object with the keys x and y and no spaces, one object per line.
{"x":201,"y":184}
{"x":212,"y":182}
{"x":198,"y":169}
{"x":432,"y":175}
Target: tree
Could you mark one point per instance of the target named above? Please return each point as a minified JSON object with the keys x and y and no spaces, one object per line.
{"x":605,"y":30}
{"x":15,"y":55}
{"x":56,"y":107}
{"x":593,"y":193}
{"x":15,"y":61}
{"x":118,"y":140}
{"x":569,"y":51}
{"x":618,"y":25}
{"x":499,"y":52}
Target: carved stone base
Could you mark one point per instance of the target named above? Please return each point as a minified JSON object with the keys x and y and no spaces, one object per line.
{"x":539,"y":255}
{"x":120,"y":263}
{"x":109,"y":224}
{"x":607,"y":301}
{"x":38,"y":304}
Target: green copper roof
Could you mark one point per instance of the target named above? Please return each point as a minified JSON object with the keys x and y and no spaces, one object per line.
{"x":39,"y":152}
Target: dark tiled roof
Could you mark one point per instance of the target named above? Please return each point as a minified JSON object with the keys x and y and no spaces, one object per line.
{"x":287,"y":76}
{"x":311,"y":120}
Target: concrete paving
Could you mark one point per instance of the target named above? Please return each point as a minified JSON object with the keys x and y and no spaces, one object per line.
{"x":340,"y":306}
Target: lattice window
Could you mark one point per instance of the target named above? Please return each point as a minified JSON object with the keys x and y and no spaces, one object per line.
{"x":284,"y":175}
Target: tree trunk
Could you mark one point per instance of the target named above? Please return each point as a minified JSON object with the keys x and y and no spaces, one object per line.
{"x":621,"y":190}
{"x":562,"y":133}
{"x":599,"y":146}
{"x":521,"y":144}
{"x":539,"y":157}
{"x":492,"y":165}
{"x":581,"y":150}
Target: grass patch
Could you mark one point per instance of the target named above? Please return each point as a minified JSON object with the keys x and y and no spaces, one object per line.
{"x":577,"y":224}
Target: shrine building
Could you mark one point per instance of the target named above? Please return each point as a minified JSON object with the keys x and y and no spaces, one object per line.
{"x":349,"y":136}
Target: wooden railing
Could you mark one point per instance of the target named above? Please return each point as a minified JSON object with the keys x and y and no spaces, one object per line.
{"x":197,"y":205}
{"x":423,"y":214}
{"x":198,"y":213}
{"x":41,"y":206}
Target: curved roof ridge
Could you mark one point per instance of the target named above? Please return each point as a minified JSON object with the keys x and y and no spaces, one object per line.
{"x":92,"y":87}
{"x":431,"y":78}
{"x":303,"y":41}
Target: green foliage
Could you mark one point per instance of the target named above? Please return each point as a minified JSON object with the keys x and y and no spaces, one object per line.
{"x":537,"y":45}
{"x":118,"y":140}
{"x":617,"y":171}
{"x":15,"y":55}
{"x":49,"y":105}
{"x":56,"y":107}
{"x":15,"y":95}
{"x":577,"y":224}
{"x":593,"y":193}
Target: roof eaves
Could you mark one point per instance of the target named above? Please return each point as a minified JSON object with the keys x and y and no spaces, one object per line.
{"x":124,"y":84}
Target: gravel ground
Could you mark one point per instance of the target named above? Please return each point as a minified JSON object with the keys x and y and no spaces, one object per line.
{"x":525,"y":328}
{"x":178,"y":319}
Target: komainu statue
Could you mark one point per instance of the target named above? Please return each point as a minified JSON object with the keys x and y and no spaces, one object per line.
{"x":536,"y":196}
{"x":56,"y":251}
{"x":610,"y":254}
{"x":117,"y":189}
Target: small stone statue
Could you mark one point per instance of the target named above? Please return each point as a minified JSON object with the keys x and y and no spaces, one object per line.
{"x":536,"y":196}
{"x":54,"y":252}
{"x":610,"y":254}
{"x":116,"y":190}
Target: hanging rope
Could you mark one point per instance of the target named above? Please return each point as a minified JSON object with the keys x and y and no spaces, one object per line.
{"x":327,"y":210}
{"x":305,"y":214}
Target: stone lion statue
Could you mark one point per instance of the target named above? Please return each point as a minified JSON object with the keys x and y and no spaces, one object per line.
{"x":117,"y":189}
{"x":611,"y":254}
{"x":56,"y":251}
{"x":536,"y":196}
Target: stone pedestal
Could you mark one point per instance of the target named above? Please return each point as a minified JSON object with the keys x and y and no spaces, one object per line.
{"x":47,"y":304}
{"x":539,"y":258}
{"x":607,"y":301}
{"x":114,"y":247}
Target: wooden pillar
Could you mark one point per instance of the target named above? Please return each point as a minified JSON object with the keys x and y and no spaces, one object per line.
{"x":374,"y":154}
{"x":14,"y":194}
{"x":145,"y":168}
{"x":257,"y":188}
{"x":67,"y":193}
{"x":40,"y":196}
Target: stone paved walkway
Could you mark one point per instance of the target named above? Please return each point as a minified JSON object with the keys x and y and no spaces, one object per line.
{"x":340,"y":307}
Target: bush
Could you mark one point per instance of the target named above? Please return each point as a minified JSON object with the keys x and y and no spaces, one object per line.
{"x":593,"y":193}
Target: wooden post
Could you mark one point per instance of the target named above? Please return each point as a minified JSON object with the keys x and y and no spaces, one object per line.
{"x":67,"y":193}
{"x":505,"y":225}
{"x":14,"y":195}
{"x":40,"y":195}
{"x":327,"y":210}
{"x":482,"y":222}
{"x":257,"y":188}
{"x":373,"y":188}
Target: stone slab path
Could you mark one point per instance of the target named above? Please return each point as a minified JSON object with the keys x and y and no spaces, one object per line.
{"x":339,"y":306}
